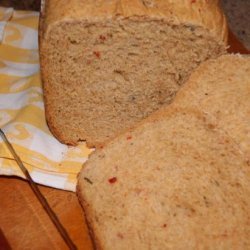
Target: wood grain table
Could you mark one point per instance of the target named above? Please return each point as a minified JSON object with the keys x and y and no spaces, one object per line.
{"x":25,"y":225}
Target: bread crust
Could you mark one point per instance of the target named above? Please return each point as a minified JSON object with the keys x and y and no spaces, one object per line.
{"x":202,"y":13}
{"x":97,"y":243}
{"x":42,"y":58}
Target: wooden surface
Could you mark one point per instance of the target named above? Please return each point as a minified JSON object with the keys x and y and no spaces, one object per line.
{"x":24,"y":223}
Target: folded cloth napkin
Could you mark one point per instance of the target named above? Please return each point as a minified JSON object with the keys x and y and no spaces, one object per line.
{"x":22,"y":110}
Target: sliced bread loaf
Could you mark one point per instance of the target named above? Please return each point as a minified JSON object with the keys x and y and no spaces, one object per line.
{"x":108,"y":64}
{"x":181,"y":178}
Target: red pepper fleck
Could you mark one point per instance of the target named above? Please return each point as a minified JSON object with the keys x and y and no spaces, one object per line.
{"x":102,"y":37}
{"x":120,"y":235}
{"x":193,"y":1}
{"x":97,"y":54}
{"x":164,"y":225}
{"x":112,"y":180}
{"x":88,"y":62}
{"x":129,"y":137}
{"x":101,"y":147}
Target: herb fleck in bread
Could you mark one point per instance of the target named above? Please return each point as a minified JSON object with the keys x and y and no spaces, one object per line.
{"x":181,"y":178}
{"x":108,"y":64}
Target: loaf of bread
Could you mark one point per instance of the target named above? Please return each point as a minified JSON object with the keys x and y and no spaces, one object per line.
{"x":108,"y":64}
{"x":181,"y":178}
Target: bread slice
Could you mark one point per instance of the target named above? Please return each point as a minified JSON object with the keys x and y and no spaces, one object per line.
{"x":181,"y":178}
{"x":108,"y":64}
{"x":232,"y":110}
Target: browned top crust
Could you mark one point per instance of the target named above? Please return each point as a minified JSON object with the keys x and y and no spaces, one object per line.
{"x":204,"y":13}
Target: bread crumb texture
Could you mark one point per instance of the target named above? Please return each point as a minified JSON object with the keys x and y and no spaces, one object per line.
{"x":103,"y":72}
{"x":182,"y":180}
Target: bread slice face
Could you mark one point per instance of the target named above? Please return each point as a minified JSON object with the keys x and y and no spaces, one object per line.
{"x":103,"y":72}
{"x":180,"y":179}
{"x":223,"y":96}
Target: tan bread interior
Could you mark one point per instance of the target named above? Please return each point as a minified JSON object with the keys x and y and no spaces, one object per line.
{"x":108,"y":76}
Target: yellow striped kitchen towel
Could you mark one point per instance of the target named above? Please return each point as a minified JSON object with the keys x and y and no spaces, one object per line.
{"x":22,"y":110}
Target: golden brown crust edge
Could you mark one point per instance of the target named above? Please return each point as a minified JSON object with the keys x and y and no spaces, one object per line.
{"x":96,"y":242}
{"x":48,"y":115}
{"x":204,"y":13}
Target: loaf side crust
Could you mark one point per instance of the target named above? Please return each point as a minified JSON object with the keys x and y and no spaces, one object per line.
{"x":202,"y":13}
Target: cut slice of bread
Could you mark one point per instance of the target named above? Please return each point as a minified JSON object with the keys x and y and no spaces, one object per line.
{"x":224,"y":96}
{"x":181,"y":178}
{"x":108,"y":64}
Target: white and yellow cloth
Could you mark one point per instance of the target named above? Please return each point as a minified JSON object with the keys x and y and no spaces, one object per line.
{"x":22,"y":111}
